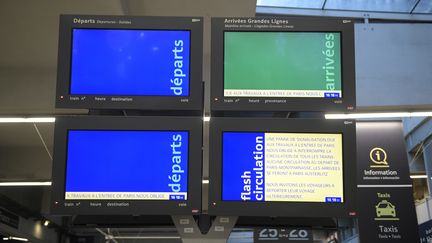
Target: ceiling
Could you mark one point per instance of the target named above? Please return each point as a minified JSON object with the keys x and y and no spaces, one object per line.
{"x":386,"y":6}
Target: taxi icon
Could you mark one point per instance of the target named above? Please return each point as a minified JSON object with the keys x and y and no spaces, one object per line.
{"x":385,"y":208}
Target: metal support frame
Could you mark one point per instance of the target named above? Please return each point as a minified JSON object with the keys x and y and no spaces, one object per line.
{"x":218,"y":233}
{"x":427,"y":155}
{"x":415,"y":6}
{"x":324,"y":4}
{"x":112,"y":238}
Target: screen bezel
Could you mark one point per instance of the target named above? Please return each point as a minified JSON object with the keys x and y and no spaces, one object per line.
{"x":64,"y":99}
{"x":296,"y":24}
{"x":290,"y":209}
{"x":61,"y":206}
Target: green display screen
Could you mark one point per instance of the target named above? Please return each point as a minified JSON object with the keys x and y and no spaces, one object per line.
{"x":282,"y":64}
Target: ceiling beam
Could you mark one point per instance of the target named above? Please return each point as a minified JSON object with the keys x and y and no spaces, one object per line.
{"x":324,"y":4}
{"x":415,"y":6}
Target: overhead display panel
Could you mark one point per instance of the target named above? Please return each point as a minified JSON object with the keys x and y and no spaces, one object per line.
{"x":124,"y":62}
{"x":127,"y":165}
{"x":279,"y":167}
{"x":282,"y":64}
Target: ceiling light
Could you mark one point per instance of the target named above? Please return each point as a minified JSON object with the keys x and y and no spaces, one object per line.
{"x":205,"y":181}
{"x":206,"y":118}
{"x":27,"y":120}
{"x":46,"y":223}
{"x":377,"y":115}
{"x":418,"y":176}
{"x":14,"y":238}
{"x":26,"y":183}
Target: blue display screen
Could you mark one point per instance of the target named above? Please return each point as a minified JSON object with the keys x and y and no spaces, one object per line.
{"x":130,"y":62}
{"x":284,"y":167}
{"x":127,"y":165}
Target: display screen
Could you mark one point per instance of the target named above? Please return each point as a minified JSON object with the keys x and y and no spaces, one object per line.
{"x":282,"y":64}
{"x":130,"y":62}
{"x":127,"y":165}
{"x":284,"y":167}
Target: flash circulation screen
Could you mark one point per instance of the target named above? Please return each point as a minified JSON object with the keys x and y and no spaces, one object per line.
{"x":282,"y":167}
{"x":282,"y":64}
{"x":130,"y":62}
{"x":127,"y":165}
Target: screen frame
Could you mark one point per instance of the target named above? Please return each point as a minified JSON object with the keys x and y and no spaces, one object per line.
{"x":64,"y":99}
{"x":61,"y":206}
{"x":289,"y":209}
{"x":292,"y":24}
